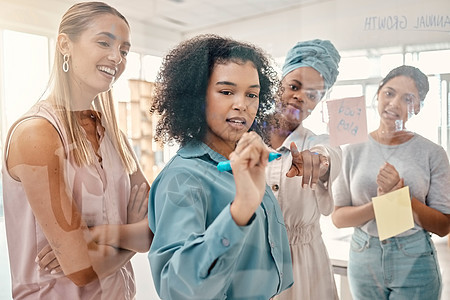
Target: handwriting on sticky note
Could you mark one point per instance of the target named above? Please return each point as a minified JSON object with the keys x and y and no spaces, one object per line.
{"x":347,"y":120}
{"x":393,"y":213}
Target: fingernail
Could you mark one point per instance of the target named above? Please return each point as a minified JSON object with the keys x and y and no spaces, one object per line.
{"x":313,"y":186}
{"x":36,"y":259}
{"x":305,"y":185}
{"x":53,"y":272}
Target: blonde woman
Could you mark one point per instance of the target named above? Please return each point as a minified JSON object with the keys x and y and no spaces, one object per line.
{"x":74,"y":194}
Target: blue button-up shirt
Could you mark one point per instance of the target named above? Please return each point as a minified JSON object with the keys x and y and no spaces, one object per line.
{"x":198,"y":251}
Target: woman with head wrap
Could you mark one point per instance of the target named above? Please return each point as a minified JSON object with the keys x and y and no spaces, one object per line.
{"x":404,"y":266}
{"x":301,"y":178}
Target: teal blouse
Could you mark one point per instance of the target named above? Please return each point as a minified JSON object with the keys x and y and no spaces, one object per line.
{"x":198,"y":251}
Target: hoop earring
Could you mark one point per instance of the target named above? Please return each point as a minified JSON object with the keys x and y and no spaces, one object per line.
{"x":65,"y":65}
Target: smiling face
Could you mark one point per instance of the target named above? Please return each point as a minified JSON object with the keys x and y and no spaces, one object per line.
{"x":302,"y":90}
{"x":98,"y":55}
{"x":397,"y":99}
{"x":232,"y":100}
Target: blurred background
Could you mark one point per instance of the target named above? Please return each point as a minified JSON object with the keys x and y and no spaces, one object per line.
{"x":371,"y":36}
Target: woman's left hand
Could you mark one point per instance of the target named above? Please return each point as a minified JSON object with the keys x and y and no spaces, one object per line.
{"x":138,"y":203}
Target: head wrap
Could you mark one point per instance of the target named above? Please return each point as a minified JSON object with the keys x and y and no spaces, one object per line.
{"x":318,"y":54}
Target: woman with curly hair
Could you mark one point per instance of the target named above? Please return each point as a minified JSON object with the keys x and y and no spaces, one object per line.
{"x":217,"y":234}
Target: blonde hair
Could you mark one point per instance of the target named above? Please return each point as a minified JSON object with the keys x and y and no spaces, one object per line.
{"x":75,"y":21}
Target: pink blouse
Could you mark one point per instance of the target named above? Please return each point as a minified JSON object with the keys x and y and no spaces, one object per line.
{"x":101,"y":192}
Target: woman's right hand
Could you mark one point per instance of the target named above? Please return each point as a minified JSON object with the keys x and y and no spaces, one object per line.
{"x":248,"y":162}
{"x":312,"y":166}
{"x":47,"y":260}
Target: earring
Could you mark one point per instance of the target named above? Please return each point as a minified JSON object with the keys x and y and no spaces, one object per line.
{"x":65,"y":65}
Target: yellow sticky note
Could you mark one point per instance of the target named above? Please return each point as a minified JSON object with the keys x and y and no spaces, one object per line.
{"x":393,"y":213}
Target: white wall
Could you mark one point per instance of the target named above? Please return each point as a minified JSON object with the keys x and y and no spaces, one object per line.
{"x":349,"y":24}
{"x":43,"y":17}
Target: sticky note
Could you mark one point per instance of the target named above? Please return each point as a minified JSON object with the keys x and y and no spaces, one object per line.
{"x":393,"y":213}
{"x":347,"y":120}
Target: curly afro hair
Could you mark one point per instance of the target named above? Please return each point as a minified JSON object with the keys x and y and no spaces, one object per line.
{"x":180,"y":92}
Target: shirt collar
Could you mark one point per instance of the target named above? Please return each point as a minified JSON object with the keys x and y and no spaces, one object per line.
{"x":198,"y":149}
{"x":293,"y":136}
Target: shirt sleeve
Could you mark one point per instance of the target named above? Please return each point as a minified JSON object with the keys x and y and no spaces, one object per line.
{"x":324,"y":194}
{"x":439,"y":193}
{"x":189,"y":258}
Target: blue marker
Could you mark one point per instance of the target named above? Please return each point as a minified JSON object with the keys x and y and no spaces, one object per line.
{"x":226,"y":166}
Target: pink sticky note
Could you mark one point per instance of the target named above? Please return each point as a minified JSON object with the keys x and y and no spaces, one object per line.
{"x":347,"y":120}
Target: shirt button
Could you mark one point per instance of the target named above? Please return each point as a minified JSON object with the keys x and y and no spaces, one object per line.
{"x":275,"y":187}
{"x":272,"y":244}
{"x":225,"y":242}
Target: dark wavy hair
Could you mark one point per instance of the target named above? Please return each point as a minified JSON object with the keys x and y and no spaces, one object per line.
{"x":420,"y":79}
{"x":180,"y":92}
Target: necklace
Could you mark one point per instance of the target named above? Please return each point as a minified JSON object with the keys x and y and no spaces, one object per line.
{"x":391,"y":148}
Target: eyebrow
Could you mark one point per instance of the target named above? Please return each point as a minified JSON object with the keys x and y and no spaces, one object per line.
{"x":234,"y":84}
{"x":298,"y":82}
{"x":112,"y":36}
{"x":408,"y":94}
{"x":307,"y":88}
{"x":389,"y":88}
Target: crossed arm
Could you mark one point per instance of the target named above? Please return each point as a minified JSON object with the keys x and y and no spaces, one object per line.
{"x":389,"y":180}
{"x":36,"y":158}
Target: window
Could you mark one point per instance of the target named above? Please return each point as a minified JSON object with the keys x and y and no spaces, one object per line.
{"x":150,"y":67}
{"x":26,"y":71}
